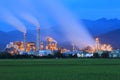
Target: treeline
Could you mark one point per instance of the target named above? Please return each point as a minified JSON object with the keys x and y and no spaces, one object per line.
{"x":105,"y":54}
{"x":5,"y":55}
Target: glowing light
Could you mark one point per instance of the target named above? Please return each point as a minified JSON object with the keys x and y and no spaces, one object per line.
{"x":106,"y":47}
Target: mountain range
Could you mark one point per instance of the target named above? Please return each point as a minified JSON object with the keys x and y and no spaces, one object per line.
{"x":112,"y":37}
{"x":102,"y":25}
{"x":107,"y":30}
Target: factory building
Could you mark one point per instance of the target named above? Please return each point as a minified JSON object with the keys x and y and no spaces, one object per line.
{"x":51,"y":44}
{"x":98,"y":47}
{"x":102,"y":47}
{"x":39,"y":47}
{"x":16,"y":47}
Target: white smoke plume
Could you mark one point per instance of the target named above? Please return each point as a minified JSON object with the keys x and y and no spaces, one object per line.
{"x":73,"y":29}
{"x":13,"y":21}
{"x":31,"y":19}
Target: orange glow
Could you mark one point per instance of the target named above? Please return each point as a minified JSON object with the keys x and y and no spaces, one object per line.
{"x":99,"y":47}
{"x":106,"y":47}
{"x":52,"y":44}
{"x":20,"y":46}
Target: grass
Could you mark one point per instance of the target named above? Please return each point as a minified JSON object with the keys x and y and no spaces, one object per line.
{"x":60,"y":69}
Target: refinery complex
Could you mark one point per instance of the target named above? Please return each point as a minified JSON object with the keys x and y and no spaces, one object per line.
{"x":82,"y":43}
{"x":76,"y":33}
{"x":40,"y":49}
{"x":32,"y":48}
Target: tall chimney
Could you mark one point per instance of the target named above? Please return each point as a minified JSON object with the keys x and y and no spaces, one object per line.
{"x":38,"y":39}
{"x":97,"y":44}
{"x":73,"y":47}
{"x":25,"y":41}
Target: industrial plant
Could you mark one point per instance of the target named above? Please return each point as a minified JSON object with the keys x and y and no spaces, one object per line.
{"x":42,"y":49}
{"x":51,"y":47}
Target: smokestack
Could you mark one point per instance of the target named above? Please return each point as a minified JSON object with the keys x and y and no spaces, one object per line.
{"x":38,"y":39}
{"x":97,"y":44}
{"x":73,"y":47}
{"x":25,"y":41}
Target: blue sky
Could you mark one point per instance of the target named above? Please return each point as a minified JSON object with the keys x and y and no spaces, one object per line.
{"x":95,"y":8}
{"x":84,"y":9}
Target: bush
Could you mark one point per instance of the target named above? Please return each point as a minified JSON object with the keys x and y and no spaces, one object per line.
{"x":96,"y":55}
{"x":105,"y":54}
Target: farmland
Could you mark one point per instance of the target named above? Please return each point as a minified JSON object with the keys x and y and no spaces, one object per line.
{"x":60,"y":69}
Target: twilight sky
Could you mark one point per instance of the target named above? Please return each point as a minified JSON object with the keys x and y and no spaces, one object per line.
{"x":83,"y":9}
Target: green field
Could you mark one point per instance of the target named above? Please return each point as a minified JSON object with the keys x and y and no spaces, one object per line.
{"x":60,"y":69}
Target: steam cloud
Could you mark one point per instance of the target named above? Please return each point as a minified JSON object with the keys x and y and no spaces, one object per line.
{"x":12,"y":20}
{"x":72,"y":28}
{"x":31,"y":19}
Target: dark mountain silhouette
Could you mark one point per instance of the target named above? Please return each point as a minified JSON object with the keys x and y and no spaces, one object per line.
{"x":108,"y":38}
{"x":112,"y":38}
{"x":31,"y":36}
{"x":107,"y":29}
{"x":3,"y":37}
{"x":101,"y":26}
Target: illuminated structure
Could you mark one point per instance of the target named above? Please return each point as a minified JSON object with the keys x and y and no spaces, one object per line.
{"x":106,"y":47}
{"x":16,"y":47}
{"x":41,"y":46}
{"x":97,"y":47}
{"x":51,"y":44}
{"x":31,"y":46}
{"x":102,"y":47}
{"x":89,"y":49}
